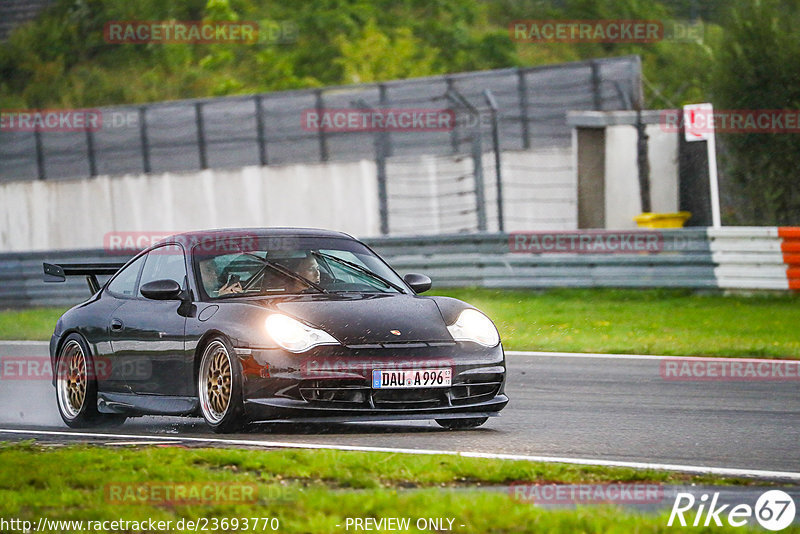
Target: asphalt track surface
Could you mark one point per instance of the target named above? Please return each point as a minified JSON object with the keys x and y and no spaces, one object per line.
{"x":592,"y":409}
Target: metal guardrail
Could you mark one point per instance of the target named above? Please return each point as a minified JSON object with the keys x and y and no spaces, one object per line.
{"x":487,"y":260}
{"x":756,"y":258}
{"x":21,"y":284}
{"x":727,"y":258}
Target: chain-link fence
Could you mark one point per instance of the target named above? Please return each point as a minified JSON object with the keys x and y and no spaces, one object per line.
{"x":267,"y":129}
{"x":15,"y":13}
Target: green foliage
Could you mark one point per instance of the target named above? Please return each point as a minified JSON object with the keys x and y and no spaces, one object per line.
{"x":758,"y":67}
{"x":376,"y":56}
{"x":62,"y":59}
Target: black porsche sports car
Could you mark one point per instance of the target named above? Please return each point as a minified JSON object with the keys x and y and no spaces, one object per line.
{"x":270,"y":325}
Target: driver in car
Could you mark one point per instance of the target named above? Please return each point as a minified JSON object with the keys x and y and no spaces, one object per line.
{"x":307,"y":267}
{"x":210,"y":278}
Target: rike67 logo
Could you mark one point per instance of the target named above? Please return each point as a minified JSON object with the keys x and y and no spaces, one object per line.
{"x":774,"y":510}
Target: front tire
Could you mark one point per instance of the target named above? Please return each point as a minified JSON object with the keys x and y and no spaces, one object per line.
{"x":219,"y":387}
{"x":76,"y":386}
{"x":462,"y":424}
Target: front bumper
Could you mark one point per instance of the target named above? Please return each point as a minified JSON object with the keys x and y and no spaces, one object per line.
{"x":333,"y":384}
{"x":281,"y":411}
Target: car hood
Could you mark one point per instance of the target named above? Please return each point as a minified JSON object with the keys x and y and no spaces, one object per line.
{"x":367,"y":319}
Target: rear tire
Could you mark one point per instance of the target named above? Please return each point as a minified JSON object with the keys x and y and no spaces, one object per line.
{"x":219,"y":387}
{"x":76,"y":386}
{"x":462,"y":424}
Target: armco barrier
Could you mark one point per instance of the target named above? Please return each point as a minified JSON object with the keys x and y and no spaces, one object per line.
{"x":756,"y":257}
{"x":790,"y":247}
{"x":21,"y":282}
{"x":748,"y":258}
{"x":490,"y":261}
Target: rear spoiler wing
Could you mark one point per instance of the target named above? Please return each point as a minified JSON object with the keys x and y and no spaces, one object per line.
{"x":59,"y":272}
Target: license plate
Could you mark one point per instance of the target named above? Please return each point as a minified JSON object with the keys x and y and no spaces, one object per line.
{"x":411,"y":378}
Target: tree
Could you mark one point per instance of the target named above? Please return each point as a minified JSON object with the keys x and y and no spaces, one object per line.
{"x":375,"y":56}
{"x":758,"y":68}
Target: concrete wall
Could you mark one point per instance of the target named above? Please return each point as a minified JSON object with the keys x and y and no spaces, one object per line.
{"x":623,"y":200}
{"x":426,"y":195}
{"x":42,"y":215}
{"x":540,"y":190}
{"x":662,"y":151}
{"x":435,"y":194}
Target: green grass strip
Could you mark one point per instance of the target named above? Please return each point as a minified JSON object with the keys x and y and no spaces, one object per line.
{"x":667,"y":322}
{"x":312,"y":491}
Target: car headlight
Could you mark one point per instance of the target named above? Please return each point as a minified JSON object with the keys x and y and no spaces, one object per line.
{"x":294,"y":336}
{"x":472,"y":325}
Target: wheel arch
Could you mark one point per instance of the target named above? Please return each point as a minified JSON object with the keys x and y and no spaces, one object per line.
{"x":60,"y":344}
{"x":202,"y":343}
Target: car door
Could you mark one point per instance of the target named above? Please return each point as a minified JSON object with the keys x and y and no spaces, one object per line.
{"x":121,"y":289}
{"x":148,"y":335}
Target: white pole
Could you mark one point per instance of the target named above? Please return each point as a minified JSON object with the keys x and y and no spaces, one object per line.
{"x":713,"y":180}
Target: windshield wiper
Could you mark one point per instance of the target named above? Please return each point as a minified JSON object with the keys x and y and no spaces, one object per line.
{"x":286,"y":272}
{"x":360,"y":269}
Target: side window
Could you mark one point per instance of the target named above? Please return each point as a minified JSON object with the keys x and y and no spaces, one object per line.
{"x":165,"y":263}
{"x":124,"y":283}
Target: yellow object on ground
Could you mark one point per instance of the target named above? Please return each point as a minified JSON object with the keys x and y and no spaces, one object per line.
{"x":662,"y":220}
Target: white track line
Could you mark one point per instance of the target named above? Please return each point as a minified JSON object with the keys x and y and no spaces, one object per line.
{"x":143,"y":442}
{"x":721,"y":471}
{"x":24,"y":342}
{"x":538,"y":354}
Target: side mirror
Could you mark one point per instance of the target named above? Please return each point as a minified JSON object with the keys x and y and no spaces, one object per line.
{"x":161,"y":290}
{"x":418,"y":282}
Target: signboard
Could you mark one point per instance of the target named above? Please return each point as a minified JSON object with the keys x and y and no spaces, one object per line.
{"x":698,"y":120}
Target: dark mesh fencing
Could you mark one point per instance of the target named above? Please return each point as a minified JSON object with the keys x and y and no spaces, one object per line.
{"x":266,"y":129}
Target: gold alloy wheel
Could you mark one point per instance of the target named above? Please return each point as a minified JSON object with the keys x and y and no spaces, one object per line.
{"x":215,"y":382}
{"x":72,"y":379}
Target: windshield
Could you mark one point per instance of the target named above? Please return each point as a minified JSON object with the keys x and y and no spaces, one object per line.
{"x":292,"y":265}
